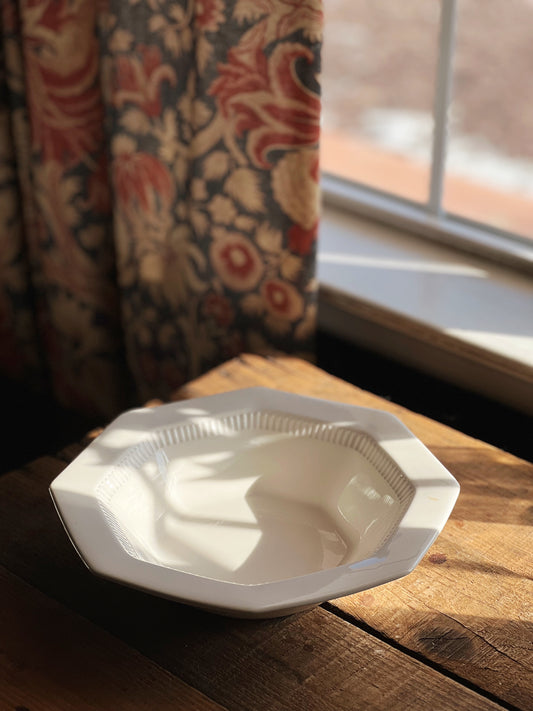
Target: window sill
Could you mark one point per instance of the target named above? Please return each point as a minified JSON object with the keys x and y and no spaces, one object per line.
{"x":455,"y":316}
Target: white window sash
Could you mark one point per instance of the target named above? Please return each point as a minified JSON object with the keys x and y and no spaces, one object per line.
{"x":443,"y":97}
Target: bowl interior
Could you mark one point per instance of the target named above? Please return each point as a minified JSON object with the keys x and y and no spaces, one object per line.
{"x":254,"y":497}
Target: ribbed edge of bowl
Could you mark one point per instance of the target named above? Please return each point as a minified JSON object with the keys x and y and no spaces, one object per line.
{"x":262,"y":420}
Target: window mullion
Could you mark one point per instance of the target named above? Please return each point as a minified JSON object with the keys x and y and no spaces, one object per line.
{"x":443,"y":96}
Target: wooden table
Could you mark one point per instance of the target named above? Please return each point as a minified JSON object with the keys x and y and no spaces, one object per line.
{"x":454,"y":634}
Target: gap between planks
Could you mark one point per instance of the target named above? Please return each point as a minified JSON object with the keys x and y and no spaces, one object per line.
{"x":332,"y":608}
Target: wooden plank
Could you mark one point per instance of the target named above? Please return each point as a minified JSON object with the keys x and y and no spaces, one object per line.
{"x":302,"y":662}
{"x":53,"y":659}
{"x":467,"y":607}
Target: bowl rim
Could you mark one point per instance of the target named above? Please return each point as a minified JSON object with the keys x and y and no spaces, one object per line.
{"x":435,"y":492}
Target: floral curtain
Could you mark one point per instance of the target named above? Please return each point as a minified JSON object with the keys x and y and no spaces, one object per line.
{"x":158,"y":190}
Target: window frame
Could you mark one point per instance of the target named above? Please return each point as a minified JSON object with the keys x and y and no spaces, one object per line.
{"x":429,"y":219}
{"x":449,"y":230}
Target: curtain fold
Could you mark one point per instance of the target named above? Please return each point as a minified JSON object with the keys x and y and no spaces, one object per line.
{"x":159,"y":190}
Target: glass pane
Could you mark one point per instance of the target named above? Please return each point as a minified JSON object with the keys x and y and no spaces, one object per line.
{"x":378,"y":77}
{"x":489,"y":169}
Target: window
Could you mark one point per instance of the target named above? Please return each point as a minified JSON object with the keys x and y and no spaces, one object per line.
{"x":428,"y":118}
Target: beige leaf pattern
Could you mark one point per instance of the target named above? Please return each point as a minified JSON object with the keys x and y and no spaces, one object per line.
{"x":216,"y":165}
{"x":135,"y":121}
{"x":291,"y":266}
{"x":243,"y":186}
{"x":269,"y":238}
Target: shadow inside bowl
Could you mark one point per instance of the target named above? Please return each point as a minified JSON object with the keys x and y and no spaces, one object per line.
{"x":255,"y":501}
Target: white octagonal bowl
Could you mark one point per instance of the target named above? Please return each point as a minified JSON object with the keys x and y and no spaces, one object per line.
{"x":254,"y":503}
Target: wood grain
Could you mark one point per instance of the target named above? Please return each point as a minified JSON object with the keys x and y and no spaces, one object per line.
{"x":311,"y":661}
{"x":464,"y":608}
{"x":314,"y":661}
{"x":467,"y":607}
{"x":53,"y":659}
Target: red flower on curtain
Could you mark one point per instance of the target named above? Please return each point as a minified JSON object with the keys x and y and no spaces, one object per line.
{"x":301,"y":240}
{"x":61,"y":53}
{"x":264,"y":98}
{"x":282,"y":299}
{"x":237,"y":262}
{"x":138,"y":79}
{"x":209,"y":14}
{"x":219,"y":308}
{"x":142,"y":182}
